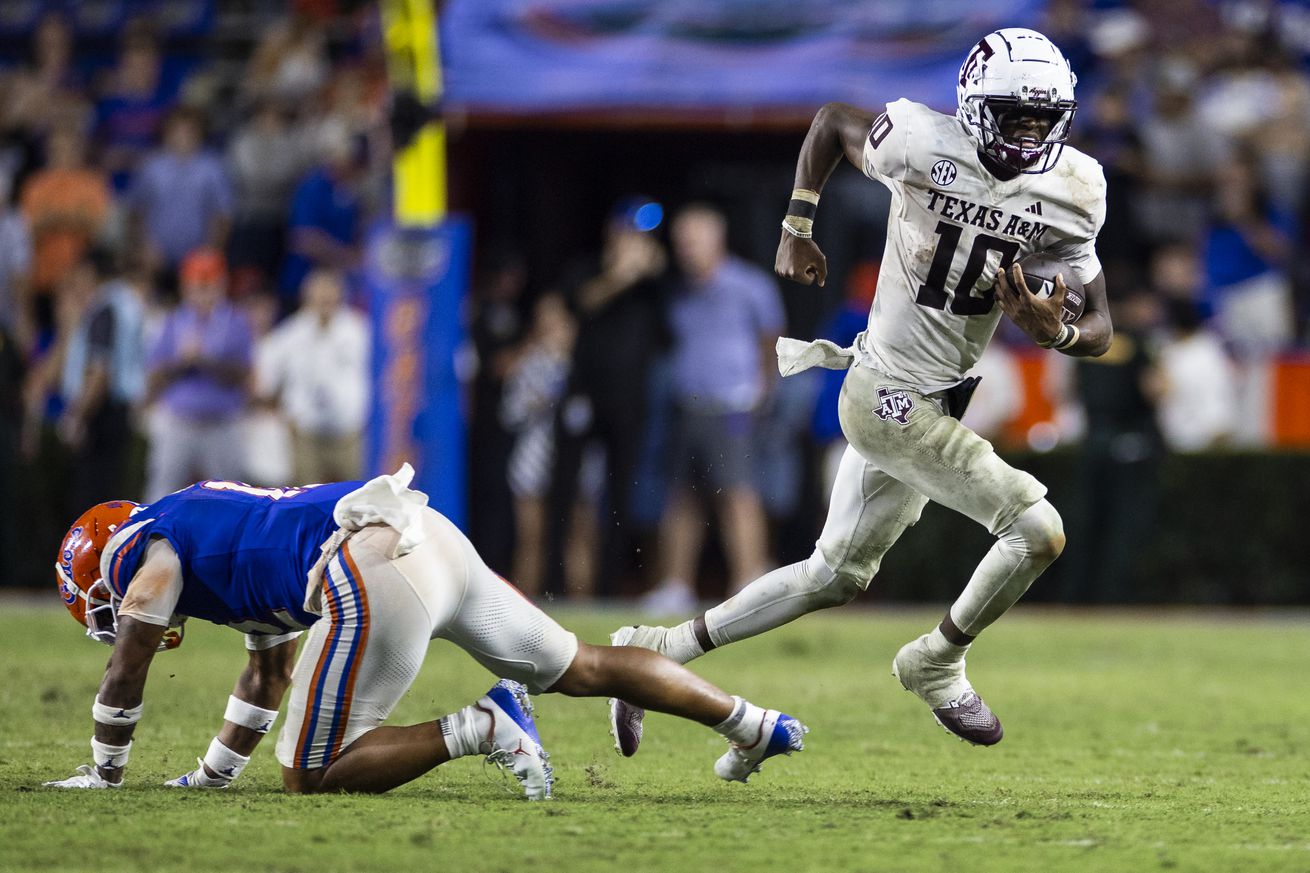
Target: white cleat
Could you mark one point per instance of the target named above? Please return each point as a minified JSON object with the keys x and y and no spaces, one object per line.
{"x":945,"y":688}
{"x":626,"y":719}
{"x":513,"y":743}
{"x":85,"y":777}
{"x":780,"y":734}
{"x":198,"y":778}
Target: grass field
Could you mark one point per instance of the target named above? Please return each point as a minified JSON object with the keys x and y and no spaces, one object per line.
{"x":1133,"y":742}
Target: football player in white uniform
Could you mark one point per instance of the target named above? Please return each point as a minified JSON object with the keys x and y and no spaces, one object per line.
{"x":971,"y":195}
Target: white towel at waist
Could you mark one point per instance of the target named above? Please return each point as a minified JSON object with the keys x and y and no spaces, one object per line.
{"x":795,"y":356}
{"x":386,"y":500}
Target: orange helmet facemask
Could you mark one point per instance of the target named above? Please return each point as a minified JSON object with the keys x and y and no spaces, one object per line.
{"x":85,"y":593}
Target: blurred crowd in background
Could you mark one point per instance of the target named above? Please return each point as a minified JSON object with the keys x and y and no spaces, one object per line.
{"x":180,"y":231}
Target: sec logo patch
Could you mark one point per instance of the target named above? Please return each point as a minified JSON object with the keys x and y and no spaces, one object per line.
{"x":944,"y":172}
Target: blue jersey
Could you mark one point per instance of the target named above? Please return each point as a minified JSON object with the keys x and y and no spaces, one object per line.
{"x":246,"y":552}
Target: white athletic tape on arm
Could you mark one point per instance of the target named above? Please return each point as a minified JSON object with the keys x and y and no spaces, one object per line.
{"x":247,"y":715}
{"x":116,"y":715}
{"x":110,"y":757}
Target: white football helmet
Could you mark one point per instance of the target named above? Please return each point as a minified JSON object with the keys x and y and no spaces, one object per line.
{"x":1016,"y":69}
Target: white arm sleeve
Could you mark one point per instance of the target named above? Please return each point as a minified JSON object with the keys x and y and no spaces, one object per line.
{"x":155,"y":589}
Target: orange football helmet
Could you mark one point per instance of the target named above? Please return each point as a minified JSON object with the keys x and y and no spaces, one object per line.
{"x":87,"y":596}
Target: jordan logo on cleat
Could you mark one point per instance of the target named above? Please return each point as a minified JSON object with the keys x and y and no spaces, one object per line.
{"x":1035,"y":209}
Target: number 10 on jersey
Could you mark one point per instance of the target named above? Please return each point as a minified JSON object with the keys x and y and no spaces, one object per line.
{"x":932,"y":293}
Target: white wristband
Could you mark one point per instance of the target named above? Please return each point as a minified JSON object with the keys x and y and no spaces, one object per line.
{"x":110,"y":757}
{"x":800,"y":234}
{"x":1069,"y":340}
{"x":223,"y":761}
{"x":116,"y":715}
{"x":248,"y":715}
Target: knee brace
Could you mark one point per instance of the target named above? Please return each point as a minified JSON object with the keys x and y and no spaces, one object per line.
{"x":828,"y":587}
{"x":1038,"y":531}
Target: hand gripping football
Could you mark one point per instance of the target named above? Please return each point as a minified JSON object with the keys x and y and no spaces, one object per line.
{"x":1039,"y":272}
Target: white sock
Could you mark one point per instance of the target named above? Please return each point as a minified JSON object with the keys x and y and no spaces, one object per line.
{"x":680,"y":643}
{"x":743,"y":726}
{"x":466,"y":731}
{"x":943,"y":649}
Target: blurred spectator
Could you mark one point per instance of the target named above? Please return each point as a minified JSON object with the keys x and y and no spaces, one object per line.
{"x":1067,"y":24}
{"x":325,"y":213}
{"x":15,"y":269}
{"x":495,"y":328}
{"x":725,"y":318}
{"x":1261,"y":100}
{"x":265,"y":159}
{"x":1180,"y":155}
{"x":533,"y":389}
{"x":46,"y":93}
{"x":102,"y":376}
{"x":130,"y":115}
{"x":181,"y":198}
{"x":267,"y":435}
{"x":1118,"y":491}
{"x":66,"y":206}
{"x":199,"y":369}
{"x":617,"y":301}
{"x":1120,"y":41}
{"x":291,"y":61}
{"x":1177,"y":274}
{"x":1107,"y":133}
{"x":1246,"y":253}
{"x":11,"y":416}
{"x":317,"y":364}
{"x":1199,"y":405}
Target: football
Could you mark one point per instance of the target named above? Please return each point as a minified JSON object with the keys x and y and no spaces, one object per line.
{"x":1039,"y":272}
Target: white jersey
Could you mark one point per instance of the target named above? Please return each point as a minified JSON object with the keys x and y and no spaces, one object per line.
{"x":953,"y":226}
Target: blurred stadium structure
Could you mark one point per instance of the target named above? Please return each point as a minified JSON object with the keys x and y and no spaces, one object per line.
{"x":133,"y":132}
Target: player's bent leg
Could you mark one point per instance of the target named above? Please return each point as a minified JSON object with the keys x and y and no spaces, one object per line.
{"x":933,"y":666}
{"x":937,"y":455}
{"x":361,"y":658}
{"x":867,"y":513}
{"x":1022,"y":551}
{"x":651,"y":681}
{"x":499,"y":725}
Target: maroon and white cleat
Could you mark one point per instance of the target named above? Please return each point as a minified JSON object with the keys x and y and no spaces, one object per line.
{"x":971,"y":720}
{"x":625,"y":719}
{"x":942,"y":685}
{"x":625,"y":725}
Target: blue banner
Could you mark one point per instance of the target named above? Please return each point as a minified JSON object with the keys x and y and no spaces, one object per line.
{"x":552,"y":55}
{"x":417,"y":279}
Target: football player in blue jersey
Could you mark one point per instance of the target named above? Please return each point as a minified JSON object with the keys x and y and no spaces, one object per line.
{"x":374,"y":574}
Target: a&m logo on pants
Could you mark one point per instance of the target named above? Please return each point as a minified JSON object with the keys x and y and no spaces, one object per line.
{"x":894,"y":406}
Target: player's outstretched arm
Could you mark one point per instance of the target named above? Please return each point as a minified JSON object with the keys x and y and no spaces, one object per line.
{"x":251,"y":710}
{"x":117,"y":707}
{"x":838,"y":130}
